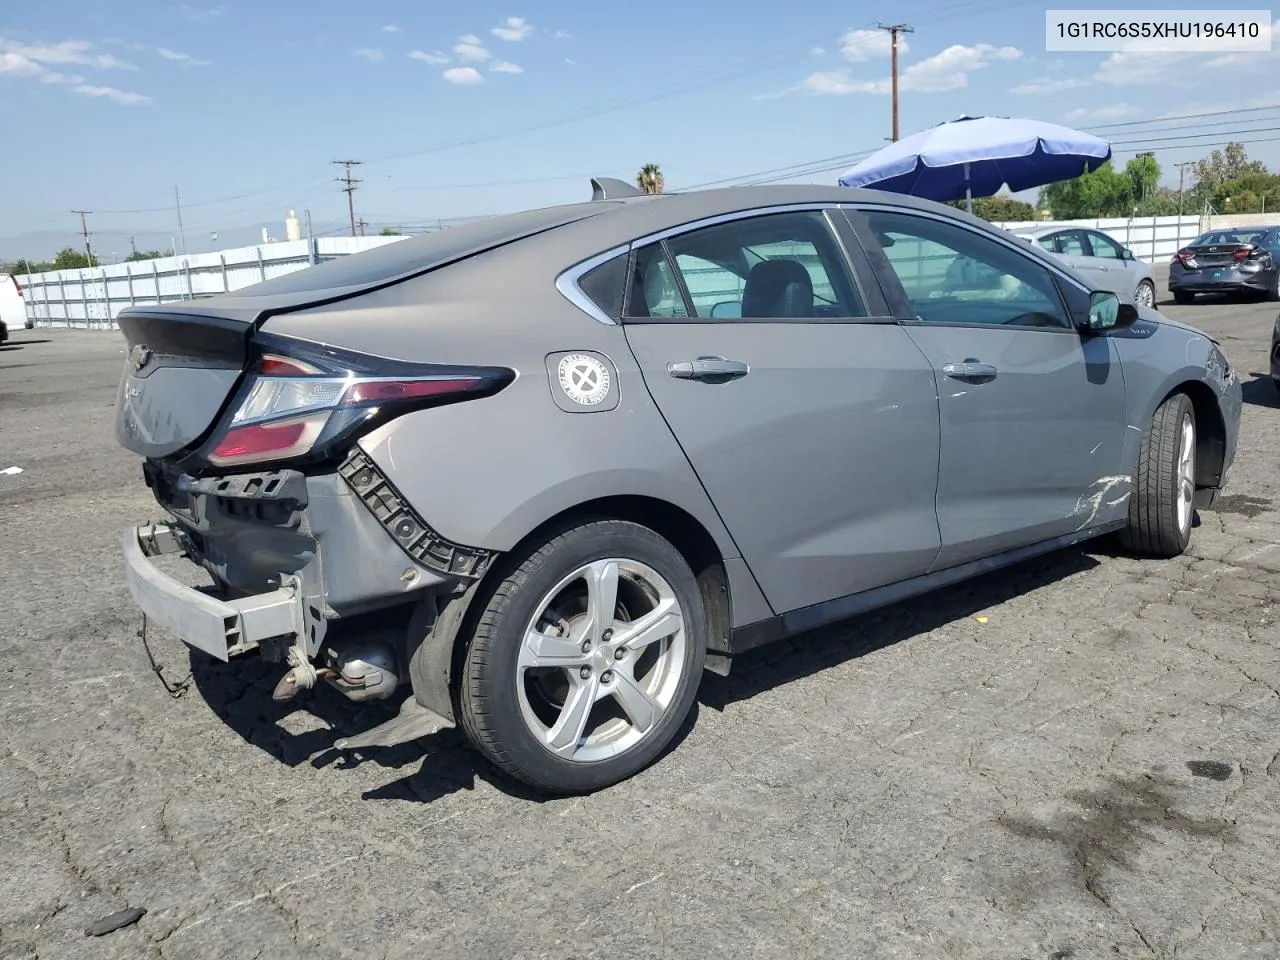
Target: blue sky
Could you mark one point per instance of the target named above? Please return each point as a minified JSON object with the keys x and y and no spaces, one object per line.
{"x":478,"y":108}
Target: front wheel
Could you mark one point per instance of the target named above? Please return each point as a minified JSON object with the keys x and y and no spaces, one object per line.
{"x":1144,"y":294}
{"x":1161,"y":505}
{"x":586,"y":659}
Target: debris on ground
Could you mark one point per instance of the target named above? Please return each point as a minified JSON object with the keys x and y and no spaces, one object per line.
{"x":117,"y":920}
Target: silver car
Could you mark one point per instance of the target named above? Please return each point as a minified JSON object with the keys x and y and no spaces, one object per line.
{"x":1099,"y":259}
{"x":546,"y":469}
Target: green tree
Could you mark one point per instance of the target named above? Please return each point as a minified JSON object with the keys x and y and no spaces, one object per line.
{"x":1102,"y":193}
{"x":999,"y":209}
{"x":69,"y":258}
{"x":147,"y":255}
{"x":389,"y":232}
{"x":1223,"y":166}
{"x":1144,"y":176}
{"x":649,"y":179}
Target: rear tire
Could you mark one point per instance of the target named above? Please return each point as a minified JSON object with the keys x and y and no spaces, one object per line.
{"x":1182,"y":297}
{"x":1273,"y":292}
{"x":1161,"y":506}
{"x":558,"y":688}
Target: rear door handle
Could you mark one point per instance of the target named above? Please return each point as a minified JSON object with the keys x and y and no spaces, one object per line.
{"x":971,"y":371}
{"x":708,"y":368}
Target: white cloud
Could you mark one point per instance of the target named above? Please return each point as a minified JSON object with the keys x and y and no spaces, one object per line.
{"x":503,"y":66}
{"x":79,"y":52}
{"x":470,"y":48}
{"x":181,"y":57}
{"x":1111,"y":112}
{"x":835,"y":82}
{"x":463,"y":76}
{"x":858,"y":45}
{"x":202,"y":13}
{"x":948,"y":70}
{"x":31,"y":60}
{"x":513,"y":29}
{"x":18,"y":65}
{"x":390,"y":28}
{"x":368,"y":54}
{"x":817,"y":52}
{"x":1185,"y":68}
{"x":111,"y":93}
{"x":433,"y":58}
{"x":562,"y":35}
{"x":1050,"y":85}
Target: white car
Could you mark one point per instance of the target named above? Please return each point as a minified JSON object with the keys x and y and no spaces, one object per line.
{"x":1099,"y":259}
{"x":13,"y":307}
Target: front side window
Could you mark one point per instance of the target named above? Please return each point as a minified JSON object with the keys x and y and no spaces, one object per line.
{"x":952,"y":274}
{"x":1072,"y":244}
{"x":1103,"y":246}
{"x":1049,"y":243}
{"x":784,"y":266}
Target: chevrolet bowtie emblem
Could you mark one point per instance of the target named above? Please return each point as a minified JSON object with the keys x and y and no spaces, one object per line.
{"x":140,"y":356}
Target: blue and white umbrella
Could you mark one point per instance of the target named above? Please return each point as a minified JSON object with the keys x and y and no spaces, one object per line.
{"x":976,"y":156}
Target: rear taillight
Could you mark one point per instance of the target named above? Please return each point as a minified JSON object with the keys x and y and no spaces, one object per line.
{"x":19,"y":286}
{"x":306,"y":409}
{"x":1185,"y":257}
{"x":1244,"y":253}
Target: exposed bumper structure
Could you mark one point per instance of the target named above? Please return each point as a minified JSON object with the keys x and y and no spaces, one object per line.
{"x":220,"y":628}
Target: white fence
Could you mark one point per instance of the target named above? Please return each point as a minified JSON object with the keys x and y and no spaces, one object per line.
{"x":1150,"y":238}
{"x":94,"y":297}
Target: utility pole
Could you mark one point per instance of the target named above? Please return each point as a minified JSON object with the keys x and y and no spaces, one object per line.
{"x":362,"y":224}
{"x":894,"y":30}
{"x":1182,"y":169}
{"x":133,"y":246}
{"x":182,"y":234}
{"x":349,"y":189}
{"x":84,"y":229}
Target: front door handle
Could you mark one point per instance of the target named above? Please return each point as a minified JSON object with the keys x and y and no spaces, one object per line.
{"x":713,"y":369}
{"x":971,"y":371}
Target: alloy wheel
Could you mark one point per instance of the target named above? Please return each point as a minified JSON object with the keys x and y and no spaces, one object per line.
{"x":602,"y":660}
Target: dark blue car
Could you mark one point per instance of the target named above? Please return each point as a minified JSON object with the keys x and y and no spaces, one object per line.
{"x":1245,"y":260}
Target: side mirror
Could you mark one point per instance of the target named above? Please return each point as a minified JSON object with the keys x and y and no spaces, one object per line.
{"x":1128,"y":254}
{"x":1106,"y":312}
{"x":727,"y":308}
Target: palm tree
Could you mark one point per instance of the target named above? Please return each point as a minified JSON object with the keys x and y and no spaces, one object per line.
{"x":649,"y":179}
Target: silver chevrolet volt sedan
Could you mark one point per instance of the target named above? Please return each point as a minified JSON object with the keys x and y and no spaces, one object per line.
{"x":534,"y":475}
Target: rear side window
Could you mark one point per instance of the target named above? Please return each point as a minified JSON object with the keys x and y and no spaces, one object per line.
{"x":605,"y":284}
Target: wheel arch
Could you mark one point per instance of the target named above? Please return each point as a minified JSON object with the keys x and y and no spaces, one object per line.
{"x":1211,"y":431}
{"x":436,"y":630}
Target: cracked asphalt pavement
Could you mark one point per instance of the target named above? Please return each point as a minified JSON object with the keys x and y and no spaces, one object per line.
{"x":1078,"y":757}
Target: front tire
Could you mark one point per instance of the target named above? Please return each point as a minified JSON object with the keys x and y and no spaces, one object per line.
{"x":1161,"y":506}
{"x":586,"y":659}
{"x":1144,"y":294}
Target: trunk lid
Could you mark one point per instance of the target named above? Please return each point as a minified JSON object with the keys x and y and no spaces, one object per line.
{"x":178,"y":375}
{"x":186,"y":359}
{"x":1217,"y":254}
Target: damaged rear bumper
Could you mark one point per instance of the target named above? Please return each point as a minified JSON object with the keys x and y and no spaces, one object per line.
{"x":220,"y":628}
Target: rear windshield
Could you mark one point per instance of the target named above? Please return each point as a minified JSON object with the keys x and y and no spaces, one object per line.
{"x":1230,"y":236}
{"x":420,"y":253}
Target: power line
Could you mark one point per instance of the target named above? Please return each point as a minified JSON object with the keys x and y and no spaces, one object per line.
{"x":350,"y":189}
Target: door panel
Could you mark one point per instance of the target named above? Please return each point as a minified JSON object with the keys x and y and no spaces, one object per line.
{"x":1024,"y":453}
{"x":822,"y":460}
{"x":1032,"y":414}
